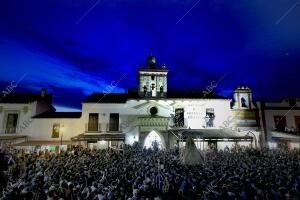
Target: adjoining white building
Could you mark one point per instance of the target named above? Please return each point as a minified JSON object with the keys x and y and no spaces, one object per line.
{"x":16,"y":112}
{"x":281,"y":122}
{"x":149,"y":114}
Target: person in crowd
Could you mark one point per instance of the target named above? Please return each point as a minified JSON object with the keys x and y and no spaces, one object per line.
{"x":135,"y":173}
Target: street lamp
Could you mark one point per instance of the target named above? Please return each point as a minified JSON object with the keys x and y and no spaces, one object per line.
{"x":255,"y":141}
{"x":62,"y":129}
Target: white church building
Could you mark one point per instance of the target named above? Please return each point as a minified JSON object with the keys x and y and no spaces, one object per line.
{"x":152,"y":113}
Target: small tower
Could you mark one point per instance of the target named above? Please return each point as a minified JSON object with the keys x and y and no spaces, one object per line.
{"x":152,"y":79}
{"x":243,"y":98}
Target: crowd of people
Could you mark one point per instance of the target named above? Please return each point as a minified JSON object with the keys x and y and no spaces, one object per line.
{"x":135,"y":174}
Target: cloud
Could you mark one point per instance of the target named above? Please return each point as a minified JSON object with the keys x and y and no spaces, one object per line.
{"x":218,"y":36}
{"x":44,"y":71}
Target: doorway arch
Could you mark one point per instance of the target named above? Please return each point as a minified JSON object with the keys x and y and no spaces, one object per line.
{"x":154,"y":138}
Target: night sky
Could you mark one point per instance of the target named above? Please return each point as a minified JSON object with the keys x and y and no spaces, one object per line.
{"x":76,"y":47}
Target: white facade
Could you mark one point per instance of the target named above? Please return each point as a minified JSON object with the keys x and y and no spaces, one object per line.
{"x":109,"y":120}
{"x":135,"y":118}
{"x":133,"y":110}
{"x":24,"y":113}
{"x":281,"y":122}
{"x":16,"y":118}
{"x":287,"y":111}
{"x":41,"y":129}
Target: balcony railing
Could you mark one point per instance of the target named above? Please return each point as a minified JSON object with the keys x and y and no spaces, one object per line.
{"x":9,"y":130}
{"x":92,"y":127}
{"x":111,"y":127}
{"x":107,"y":127}
{"x":295,"y":132}
{"x":183,"y":124}
{"x":209,"y":122}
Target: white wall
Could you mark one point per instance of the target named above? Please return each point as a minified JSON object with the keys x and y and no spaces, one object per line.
{"x":194,"y":110}
{"x":41,"y":128}
{"x":24,"y":119}
{"x":194,"y":113}
{"x":288,"y":113}
{"x":35,"y":128}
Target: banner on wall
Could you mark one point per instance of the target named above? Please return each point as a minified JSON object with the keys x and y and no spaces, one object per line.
{"x":55,"y":130}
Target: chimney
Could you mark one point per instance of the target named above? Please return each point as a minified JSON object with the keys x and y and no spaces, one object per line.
{"x":43,"y":92}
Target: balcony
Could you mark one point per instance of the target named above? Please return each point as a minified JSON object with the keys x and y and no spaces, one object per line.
{"x":92,"y":127}
{"x":9,"y":130}
{"x":286,"y":130}
{"x":113,"y":127}
{"x":246,"y":123}
{"x":209,"y":122}
{"x":104,"y":127}
{"x":179,"y":124}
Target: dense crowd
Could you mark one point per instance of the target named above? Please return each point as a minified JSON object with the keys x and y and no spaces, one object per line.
{"x":146,"y":174}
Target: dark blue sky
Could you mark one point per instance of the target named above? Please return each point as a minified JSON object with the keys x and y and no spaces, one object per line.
{"x":55,"y":45}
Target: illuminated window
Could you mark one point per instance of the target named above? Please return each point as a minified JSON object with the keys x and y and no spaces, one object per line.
{"x":210,"y":117}
{"x":179,"y":117}
{"x":55,"y":130}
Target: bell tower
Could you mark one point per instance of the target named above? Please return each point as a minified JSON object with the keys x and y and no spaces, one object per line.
{"x":243,"y":98}
{"x":152,"y":79}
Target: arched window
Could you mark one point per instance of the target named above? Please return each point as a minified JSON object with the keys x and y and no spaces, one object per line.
{"x":243,"y":102}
